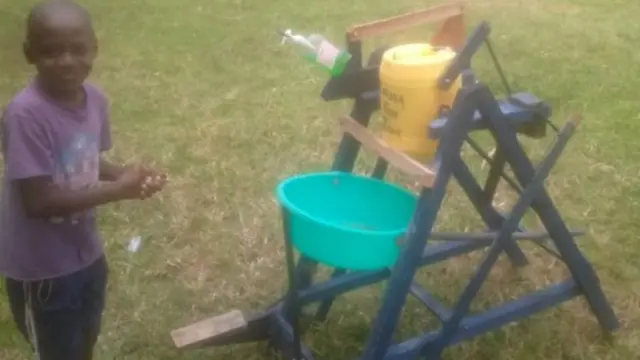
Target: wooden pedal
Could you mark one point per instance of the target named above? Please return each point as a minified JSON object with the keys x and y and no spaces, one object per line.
{"x":194,"y":335}
{"x":451,"y":32}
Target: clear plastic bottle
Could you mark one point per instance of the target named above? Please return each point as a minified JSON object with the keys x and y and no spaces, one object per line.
{"x":318,"y":50}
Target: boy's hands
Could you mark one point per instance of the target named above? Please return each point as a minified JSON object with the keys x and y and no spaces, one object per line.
{"x":42,"y":198}
{"x":154,"y":182}
{"x":140,"y":182}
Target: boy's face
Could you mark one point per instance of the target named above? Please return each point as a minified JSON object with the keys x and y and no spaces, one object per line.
{"x":63,"y":49}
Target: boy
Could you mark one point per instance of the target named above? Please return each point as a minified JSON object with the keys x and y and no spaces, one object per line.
{"x":53,"y":134}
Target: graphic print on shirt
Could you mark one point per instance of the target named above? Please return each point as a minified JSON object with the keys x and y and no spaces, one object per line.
{"x":78,"y":167}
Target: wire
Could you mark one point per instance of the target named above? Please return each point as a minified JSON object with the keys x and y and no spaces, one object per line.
{"x":505,"y":83}
{"x":496,"y":63}
{"x":476,"y":147}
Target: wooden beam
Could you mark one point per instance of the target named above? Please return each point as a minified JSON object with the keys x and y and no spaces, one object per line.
{"x":395,"y":158}
{"x":574,"y":120}
{"x":452,"y":33}
{"x":405,"y":21}
{"x":201,"y":332}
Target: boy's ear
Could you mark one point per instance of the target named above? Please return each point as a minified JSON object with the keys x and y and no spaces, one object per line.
{"x":28,"y":53}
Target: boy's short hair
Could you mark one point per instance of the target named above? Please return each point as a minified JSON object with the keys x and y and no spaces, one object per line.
{"x":46,"y":8}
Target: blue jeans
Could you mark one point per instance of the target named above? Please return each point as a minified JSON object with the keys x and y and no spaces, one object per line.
{"x":61,"y":317}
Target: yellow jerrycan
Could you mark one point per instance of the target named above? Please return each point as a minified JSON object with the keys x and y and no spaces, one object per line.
{"x":410,"y":97}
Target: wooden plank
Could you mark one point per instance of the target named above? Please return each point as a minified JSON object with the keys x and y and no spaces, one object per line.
{"x":204,"y":330}
{"x":395,"y":158}
{"x":452,"y":33}
{"x":401,"y":22}
{"x":574,"y":120}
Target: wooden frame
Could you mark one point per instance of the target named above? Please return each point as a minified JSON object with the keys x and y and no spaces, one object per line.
{"x":451,"y":32}
{"x":195,"y":334}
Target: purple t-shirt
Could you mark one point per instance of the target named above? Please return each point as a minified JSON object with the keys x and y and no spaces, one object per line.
{"x":41,"y":138}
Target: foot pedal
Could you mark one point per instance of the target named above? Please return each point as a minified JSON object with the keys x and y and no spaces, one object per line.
{"x":195,"y":334}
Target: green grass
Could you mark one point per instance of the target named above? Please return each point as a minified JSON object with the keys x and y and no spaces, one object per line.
{"x":202,"y":89}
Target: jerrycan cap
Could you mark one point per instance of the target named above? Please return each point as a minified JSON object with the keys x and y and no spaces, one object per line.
{"x":418,"y":54}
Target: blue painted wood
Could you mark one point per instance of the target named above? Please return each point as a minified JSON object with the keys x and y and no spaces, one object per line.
{"x":325,"y":306}
{"x":511,"y":224}
{"x":362,"y":85}
{"x":344,"y":161}
{"x":343,"y":284}
{"x":474,"y":109}
{"x":402,"y":277}
{"x":354,"y":280}
{"x":522,"y":168}
{"x":283,"y":337}
{"x":497,"y":163}
{"x":380,"y":170}
{"x":458,"y":325}
{"x":291,"y":307}
{"x":433,"y":305}
{"x":440,"y":252}
{"x":450,"y":327}
{"x":514,"y":112}
{"x":492,"y":319}
{"x":418,"y":233}
{"x":485,"y":209}
{"x":304,"y":272}
{"x":410,"y":349}
{"x":432,"y":254}
{"x":518,"y":309}
{"x":495,"y":174}
{"x":348,"y":149}
{"x":489,"y":235}
{"x":462,"y":61}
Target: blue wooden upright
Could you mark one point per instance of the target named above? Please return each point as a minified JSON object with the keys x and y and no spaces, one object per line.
{"x":475,"y":109}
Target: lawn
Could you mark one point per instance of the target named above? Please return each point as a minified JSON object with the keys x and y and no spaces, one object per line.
{"x":202,"y":89}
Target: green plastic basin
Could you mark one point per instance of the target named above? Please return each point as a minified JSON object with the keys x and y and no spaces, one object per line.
{"x":345,"y":220}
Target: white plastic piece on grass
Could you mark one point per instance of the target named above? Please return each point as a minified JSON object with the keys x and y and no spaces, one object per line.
{"x":134,"y":244}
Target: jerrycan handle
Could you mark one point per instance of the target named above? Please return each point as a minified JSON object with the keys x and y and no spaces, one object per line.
{"x":462,"y":61}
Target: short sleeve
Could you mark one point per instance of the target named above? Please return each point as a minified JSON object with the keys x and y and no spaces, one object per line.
{"x":105,"y":119}
{"x":27,"y":147}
